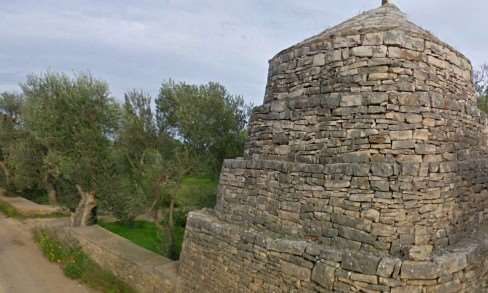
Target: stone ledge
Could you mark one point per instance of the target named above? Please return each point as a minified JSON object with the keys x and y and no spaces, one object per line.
{"x":142,"y":269}
{"x":350,"y":169}
{"x":28,"y":208}
{"x":455,"y":268}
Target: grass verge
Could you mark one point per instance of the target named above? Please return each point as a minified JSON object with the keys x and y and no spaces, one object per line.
{"x":76,"y":264}
{"x":147,"y":235}
{"x":9,"y":210}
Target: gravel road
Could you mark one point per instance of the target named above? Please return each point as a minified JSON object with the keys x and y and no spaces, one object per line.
{"x":23,"y":269}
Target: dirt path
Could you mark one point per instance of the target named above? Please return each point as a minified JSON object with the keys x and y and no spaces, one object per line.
{"x":23,"y":269}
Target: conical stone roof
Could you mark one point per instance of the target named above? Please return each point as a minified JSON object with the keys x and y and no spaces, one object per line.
{"x":384,"y":18}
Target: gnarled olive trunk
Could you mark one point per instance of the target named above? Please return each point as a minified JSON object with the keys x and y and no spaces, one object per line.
{"x":86,"y":212}
{"x":51,"y":194}
{"x":5,"y":172}
{"x":51,"y":189}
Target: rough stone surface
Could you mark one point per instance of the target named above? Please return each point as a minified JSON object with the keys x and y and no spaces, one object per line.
{"x":28,"y":208}
{"x":142,"y":269}
{"x":369,"y":144}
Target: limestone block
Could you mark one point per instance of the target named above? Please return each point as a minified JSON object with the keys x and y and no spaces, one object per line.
{"x":401,"y":135}
{"x":279,"y":106}
{"x":357,"y":157}
{"x":452,"y":262}
{"x":436,"y":62}
{"x":369,"y":279}
{"x":420,"y":252}
{"x":425,"y":149}
{"x":372,"y":39}
{"x":345,"y":220}
{"x":407,"y":289}
{"x":379,"y":76}
{"x":324,"y":275}
{"x":347,"y":41}
{"x":380,"y":185}
{"x":360,"y":262}
{"x":351,"y":100}
{"x":280,"y":138}
{"x":413,"y":118}
{"x":371,"y":214}
{"x":386,"y":266}
{"x":363,"y":51}
{"x":319,"y":60}
{"x":399,"y":53}
{"x":377,"y":98}
{"x":420,"y":270}
{"x":403,"y":144}
{"x":421,"y":134}
{"x":382,"y":169}
{"x":356,"y":235}
{"x":296,"y":271}
{"x":394,"y":37}
{"x":383,"y":230}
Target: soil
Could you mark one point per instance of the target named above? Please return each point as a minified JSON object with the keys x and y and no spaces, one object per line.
{"x":23,"y":268}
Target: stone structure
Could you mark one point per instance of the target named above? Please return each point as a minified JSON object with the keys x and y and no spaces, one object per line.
{"x":365,"y":170}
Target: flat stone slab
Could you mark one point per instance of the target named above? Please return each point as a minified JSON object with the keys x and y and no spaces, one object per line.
{"x":28,"y":208}
{"x":141,"y":268}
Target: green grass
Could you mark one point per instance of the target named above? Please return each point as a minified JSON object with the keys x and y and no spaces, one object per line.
{"x":140,"y":232}
{"x":76,"y":264}
{"x":146,"y":234}
{"x":9,"y":210}
{"x":197,"y":192}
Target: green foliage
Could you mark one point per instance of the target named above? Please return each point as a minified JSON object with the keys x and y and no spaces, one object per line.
{"x":76,"y":264}
{"x":480,"y":78}
{"x":193,"y":193}
{"x":197,"y":192}
{"x":65,"y":135}
{"x":209,"y":120}
{"x":140,"y":155}
{"x":10,"y":124}
{"x":483,"y":103}
{"x":73,"y":120}
{"x":25,"y":159}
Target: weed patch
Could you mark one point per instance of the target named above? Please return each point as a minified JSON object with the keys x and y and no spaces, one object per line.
{"x":9,"y":210}
{"x":76,"y":264}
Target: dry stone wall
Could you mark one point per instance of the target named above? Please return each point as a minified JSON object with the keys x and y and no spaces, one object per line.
{"x":221,"y":257}
{"x":370,"y":146}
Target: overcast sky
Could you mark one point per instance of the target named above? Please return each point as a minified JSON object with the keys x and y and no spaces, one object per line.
{"x":140,"y":43}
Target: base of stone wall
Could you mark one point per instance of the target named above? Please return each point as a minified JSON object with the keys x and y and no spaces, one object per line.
{"x":222,"y":257}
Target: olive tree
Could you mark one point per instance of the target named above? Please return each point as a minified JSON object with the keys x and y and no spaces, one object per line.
{"x":74,"y":119}
{"x":150,"y":167}
{"x":480,"y":78}
{"x":10,"y":129}
{"x":135,"y":142}
{"x":206,"y":118}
